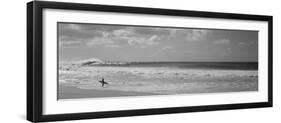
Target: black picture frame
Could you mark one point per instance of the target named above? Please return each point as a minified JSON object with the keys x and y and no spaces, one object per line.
{"x":35,"y":69}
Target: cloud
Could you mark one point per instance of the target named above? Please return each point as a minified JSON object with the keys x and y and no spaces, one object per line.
{"x":71,"y":33}
{"x":188,"y":34}
{"x":115,"y":35}
{"x":143,"y":41}
{"x":123,"y":32}
{"x":222,"y":41}
{"x":196,"y":34}
{"x":138,"y":36}
{"x":91,"y":35}
{"x":69,"y":26}
{"x":113,"y":46}
{"x":247,"y":43}
{"x":69,"y":44}
{"x":99,"y":41}
{"x":74,"y":26}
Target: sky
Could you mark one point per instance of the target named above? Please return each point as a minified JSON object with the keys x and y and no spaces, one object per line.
{"x":79,"y":41}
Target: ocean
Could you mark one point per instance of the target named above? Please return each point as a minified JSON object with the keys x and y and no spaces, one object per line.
{"x":190,"y":65}
{"x":159,"y":78}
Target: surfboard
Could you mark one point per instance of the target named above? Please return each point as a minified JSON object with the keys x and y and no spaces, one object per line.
{"x":103,"y":82}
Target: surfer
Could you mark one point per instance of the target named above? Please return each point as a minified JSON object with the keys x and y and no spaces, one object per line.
{"x":103,"y":82}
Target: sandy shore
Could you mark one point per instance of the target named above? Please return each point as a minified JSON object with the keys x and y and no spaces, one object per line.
{"x":70,"y":92}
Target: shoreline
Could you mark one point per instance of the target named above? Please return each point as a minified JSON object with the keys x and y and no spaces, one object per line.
{"x":72,"y":92}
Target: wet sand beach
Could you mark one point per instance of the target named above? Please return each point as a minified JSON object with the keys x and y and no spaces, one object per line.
{"x":70,"y":92}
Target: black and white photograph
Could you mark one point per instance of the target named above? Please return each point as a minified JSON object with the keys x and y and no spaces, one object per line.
{"x":98,"y":60}
{"x":90,"y":61}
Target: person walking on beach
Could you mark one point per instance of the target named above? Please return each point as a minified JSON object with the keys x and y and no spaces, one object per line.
{"x":103,"y":82}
